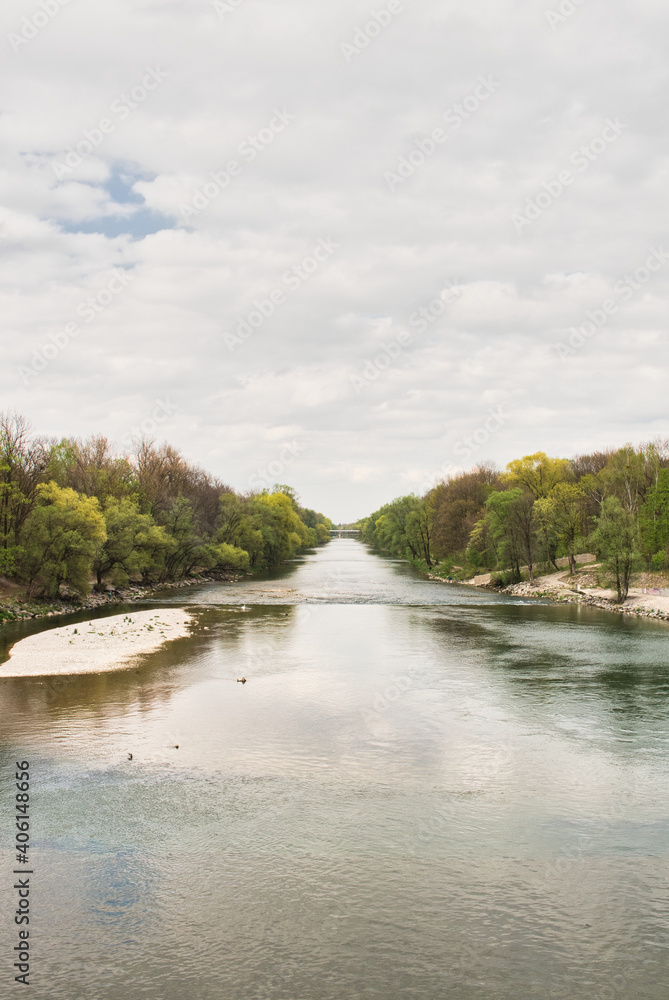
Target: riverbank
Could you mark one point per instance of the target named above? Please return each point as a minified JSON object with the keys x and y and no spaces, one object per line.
{"x":641,"y":601}
{"x":560,"y":587}
{"x":96,"y":646}
{"x":17,"y":607}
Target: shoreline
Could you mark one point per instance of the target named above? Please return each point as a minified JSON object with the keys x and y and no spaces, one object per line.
{"x":14,"y":609}
{"x":98,"y":646}
{"x":655,"y":607}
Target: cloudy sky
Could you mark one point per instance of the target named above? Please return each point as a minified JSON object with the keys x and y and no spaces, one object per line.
{"x":347,"y":246}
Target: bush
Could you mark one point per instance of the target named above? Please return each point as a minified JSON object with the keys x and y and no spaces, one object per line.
{"x":660,"y":561}
{"x":230,"y":557}
{"x":504,"y":579}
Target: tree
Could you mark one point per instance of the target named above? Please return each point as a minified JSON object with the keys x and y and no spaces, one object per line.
{"x":419,"y":528}
{"x":537,"y":473}
{"x":23,"y":464}
{"x":630,"y":473}
{"x":459,"y":503}
{"x":511,"y":520}
{"x":396,"y":528}
{"x":282,"y":530}
{"x":654,"y":518}
{"x":133,"y":543}
{"x":617,"y":538}
{"x":230,"y":557}
{"x":322,"y":533}
{"x":188,"y":548}
{"x":61,"y":538}
{"x":92,"y":467}
{"x":561,"y":512}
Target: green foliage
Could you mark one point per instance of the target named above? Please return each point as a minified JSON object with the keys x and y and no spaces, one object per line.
{"x":283,"y":532}
{"x":660,"y":561}
{"x":62,"y":537}
{"x":512,"y":523}
{"x":539,"y":508}
{"x":654,"y":519}
{"x":402,"y":528}
{"x":230,"y":557}
{"x":135,"y":545}
{"x":322,"y":533}
{"x":188,"y":549}
{"x":617,"y":539}
{"x":72,"y":508}
{"x":536,"y":474}
{"x":561,"y":516}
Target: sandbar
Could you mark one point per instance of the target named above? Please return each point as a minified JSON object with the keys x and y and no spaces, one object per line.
{"x":95,"y":646}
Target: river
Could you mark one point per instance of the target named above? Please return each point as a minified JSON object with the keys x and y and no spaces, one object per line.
{"x":422,"y":791}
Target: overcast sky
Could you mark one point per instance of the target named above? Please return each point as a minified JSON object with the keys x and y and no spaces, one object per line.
{"x":501,"y":166}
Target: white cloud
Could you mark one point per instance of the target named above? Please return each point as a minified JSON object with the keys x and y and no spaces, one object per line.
{"x":323,"y":178}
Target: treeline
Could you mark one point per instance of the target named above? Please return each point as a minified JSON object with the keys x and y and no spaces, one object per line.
{"x":615,"y":503}
{"x":72,"y":512}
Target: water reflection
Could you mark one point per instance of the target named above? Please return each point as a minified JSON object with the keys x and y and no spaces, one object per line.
{"x":439,"y":794}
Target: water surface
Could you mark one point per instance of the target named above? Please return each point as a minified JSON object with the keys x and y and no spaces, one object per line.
{"x":422,"y":791}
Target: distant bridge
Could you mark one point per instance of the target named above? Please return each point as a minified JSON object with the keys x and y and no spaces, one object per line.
{"x":345,"y":532}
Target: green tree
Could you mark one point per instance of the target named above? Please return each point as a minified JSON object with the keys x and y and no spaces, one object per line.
{"x":511,"y":520}
{"x":561,"y":513}
{"x":229,"y":557}
{"x":419,"y":524}
{"x":617,"y":539}
{"x":61,"y":539}
{"x":630,"y":473}
{"x":188,"y":549}
{"x":283,"y":532}
{"x":654,"y":518}
{"x":134,"y":543}
{"x":92,"y":467}
{"x":23,"y":464}
{"x":322,"y":533}
{"x":537,"y":474}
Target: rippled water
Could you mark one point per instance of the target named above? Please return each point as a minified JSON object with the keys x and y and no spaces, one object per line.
{"x":422,"y":791}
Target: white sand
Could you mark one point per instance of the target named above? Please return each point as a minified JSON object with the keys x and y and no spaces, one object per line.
{"x":97,"y":645}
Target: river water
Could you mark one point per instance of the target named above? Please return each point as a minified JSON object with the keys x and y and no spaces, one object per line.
{"x":422,"y":791}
